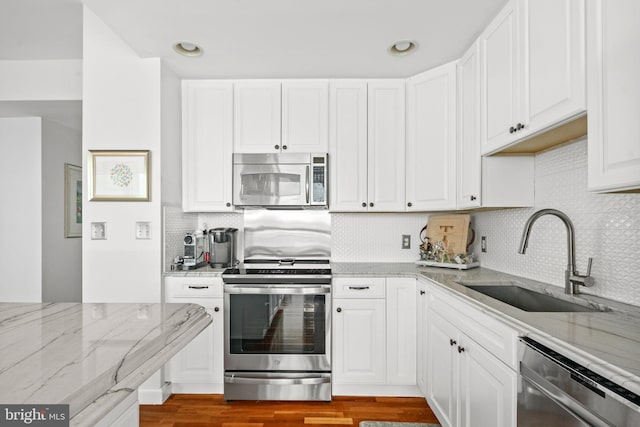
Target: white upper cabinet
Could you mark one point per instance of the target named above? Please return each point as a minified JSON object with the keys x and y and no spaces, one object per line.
{"x":256,"y":116}
{"x":497,"y":181}
{"x":431,"y":140}
{"x":614,"y":95}
{"x":500,"y":108}
{"x":305,"y":116}
{"x":281,"y":116}
{"x":207,"y":139}
{"x":386,"y":148}
{"x":533,"y":72}
{"x":555,"y":72}
{"x":366,"y":145}
{"x":348,"y":145}
{"x":469,"y":160}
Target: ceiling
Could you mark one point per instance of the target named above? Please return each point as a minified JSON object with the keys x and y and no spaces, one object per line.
{"x":248,"y":38}
{"x":298,"y":38}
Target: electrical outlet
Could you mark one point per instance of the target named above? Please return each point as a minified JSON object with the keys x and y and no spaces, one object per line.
{"x":406,"y":241}
{"x":143,"y":230}
{"x":98,"y":231}
{"x":483,"y":243}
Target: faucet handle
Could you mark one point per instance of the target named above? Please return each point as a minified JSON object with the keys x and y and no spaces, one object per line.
{"x":584,"y":280}
{"x":589,"y":266}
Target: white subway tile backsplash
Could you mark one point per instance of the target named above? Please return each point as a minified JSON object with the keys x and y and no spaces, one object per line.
{"x":375,"y":237}
{"x":607,"y":228}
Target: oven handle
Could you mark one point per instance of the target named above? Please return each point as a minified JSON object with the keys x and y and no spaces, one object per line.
{"x":571,"y":405}
{"x":311,"y":380}
{"x":271,"y":289}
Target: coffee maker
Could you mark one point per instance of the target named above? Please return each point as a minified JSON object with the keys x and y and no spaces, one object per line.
{"x":223,"y":247}
{"x":193,"y":250}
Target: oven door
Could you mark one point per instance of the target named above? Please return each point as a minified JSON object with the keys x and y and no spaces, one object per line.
{"x":271,"y":184}
{"x":277,"y":327}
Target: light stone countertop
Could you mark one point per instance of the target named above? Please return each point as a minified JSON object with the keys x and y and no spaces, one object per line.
{"x":90,"y":356}
{"x":606,"y":342}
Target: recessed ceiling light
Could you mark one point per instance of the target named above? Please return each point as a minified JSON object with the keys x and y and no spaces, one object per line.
{"x":187,"y":49}
{"x":402,"y":47}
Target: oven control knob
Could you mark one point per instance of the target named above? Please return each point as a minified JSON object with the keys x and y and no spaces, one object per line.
{"x":276,"y":362}
{"x":339,"y":310}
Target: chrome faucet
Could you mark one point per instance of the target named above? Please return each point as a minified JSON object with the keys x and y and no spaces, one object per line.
{"x":572,"y":280}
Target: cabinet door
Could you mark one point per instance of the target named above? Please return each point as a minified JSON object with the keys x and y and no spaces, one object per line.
{"x":554,"y":74}
{"x":442,"y":366}
{"x":469,"y":159}
{"x":401,"y":331}
{"x":197,"y":362}
{"x":256,"y":116}
{"x":421,"y":339}
{"x":613,"y":95}
{"x":359,"y":341}
{"x":386,"y":154}
{"x":305,"y":116}
{"x":207,"y":138}
{"x":499,"y":74}
{"x":487,"y":388}
{"x":348,"y":145}
{"x":431,"y":140}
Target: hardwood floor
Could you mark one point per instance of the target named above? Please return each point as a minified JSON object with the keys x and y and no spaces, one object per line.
{"x":211,"y":410}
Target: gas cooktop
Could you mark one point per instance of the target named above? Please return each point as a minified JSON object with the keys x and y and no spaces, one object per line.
{"x":279,"y":271}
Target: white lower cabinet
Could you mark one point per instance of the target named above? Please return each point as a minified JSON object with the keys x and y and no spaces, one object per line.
{"x":421,"y":338}
{"x":467,"y":385}
{"x":359,"y":341}
{"x":374,"y":336}
{"x":199,"y":367}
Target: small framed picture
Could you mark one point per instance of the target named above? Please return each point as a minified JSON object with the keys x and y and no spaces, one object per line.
{"x":72,"y":201}
{"x":119,"y":176}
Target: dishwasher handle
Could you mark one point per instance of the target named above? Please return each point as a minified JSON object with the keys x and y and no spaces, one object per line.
{"x":577,"y":409}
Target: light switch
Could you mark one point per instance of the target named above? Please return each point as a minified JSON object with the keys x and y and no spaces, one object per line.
{"x":143,"y":230}
{"x":98,"y":231}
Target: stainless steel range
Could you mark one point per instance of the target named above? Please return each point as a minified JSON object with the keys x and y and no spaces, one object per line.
{"x":278,"y":313}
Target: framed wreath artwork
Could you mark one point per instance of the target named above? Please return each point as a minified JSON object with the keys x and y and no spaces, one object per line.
{"x":119,"y":176}
{"x":72,"y":201}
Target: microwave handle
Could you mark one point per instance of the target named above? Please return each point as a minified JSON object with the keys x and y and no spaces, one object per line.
{"x":307,"y":184}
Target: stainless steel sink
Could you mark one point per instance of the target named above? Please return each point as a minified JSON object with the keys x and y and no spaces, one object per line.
{"x":528,"y":300}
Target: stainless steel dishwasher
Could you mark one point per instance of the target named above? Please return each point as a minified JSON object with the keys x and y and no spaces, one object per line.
{"x":556,"y":391}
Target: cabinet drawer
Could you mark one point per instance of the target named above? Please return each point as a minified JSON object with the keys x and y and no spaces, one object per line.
{"x":359,"y":287}
{"x":496,"y":337}
{"x":193,"y":287}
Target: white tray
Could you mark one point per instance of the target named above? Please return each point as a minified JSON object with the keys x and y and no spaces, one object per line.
{"x":448,"y":265}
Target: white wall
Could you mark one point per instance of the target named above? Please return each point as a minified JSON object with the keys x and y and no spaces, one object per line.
{"x":121,"y":110}
{"x":61,"y":257}
{"x":607,"y":228}
{"x":171,"y":138}
{"x":52,"y":80}
{"x":21,"y":210}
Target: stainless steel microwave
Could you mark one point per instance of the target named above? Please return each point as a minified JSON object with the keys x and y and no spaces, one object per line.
{"x":280,"y":180}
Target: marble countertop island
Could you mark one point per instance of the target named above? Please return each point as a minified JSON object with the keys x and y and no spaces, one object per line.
{"x":90,"y":356}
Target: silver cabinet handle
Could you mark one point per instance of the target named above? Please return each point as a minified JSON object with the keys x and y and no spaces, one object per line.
{"x":358,"y":288}
{"x":306,"y":185}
